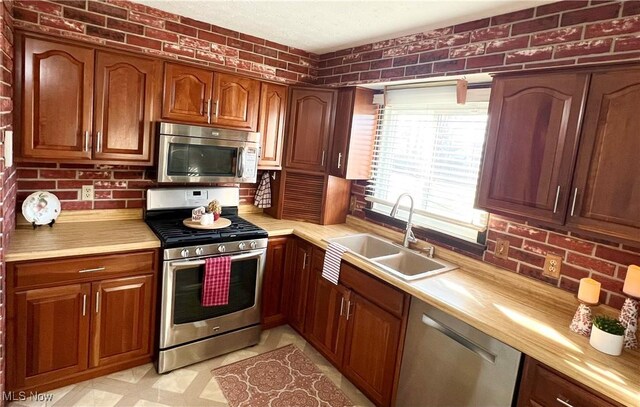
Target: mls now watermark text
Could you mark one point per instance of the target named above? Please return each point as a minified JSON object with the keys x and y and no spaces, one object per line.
{"x":26,"y":395}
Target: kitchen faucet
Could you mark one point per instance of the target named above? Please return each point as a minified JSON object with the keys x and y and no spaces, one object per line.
{"x":408,"y":233}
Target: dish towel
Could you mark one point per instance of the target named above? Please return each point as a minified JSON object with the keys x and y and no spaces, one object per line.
{"x":332,"y":257}
{"x":215,"y":286}
{"x":263,"y":194}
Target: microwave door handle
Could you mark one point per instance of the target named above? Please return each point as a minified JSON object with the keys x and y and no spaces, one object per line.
{"x":240,"y":172}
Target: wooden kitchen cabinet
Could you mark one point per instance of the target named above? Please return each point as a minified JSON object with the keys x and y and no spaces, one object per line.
{"x":309,"y":126}
{"x":273,"y":105}
{"x":51,"y":335}
{"x":531,"y":145}
{"x":354,"y":134}
{"x":236,"y":101}
{"x":84,"y":105}
{"x":56,"y":100}
{"x":76,"y":318}
{"x":187,"y":93}
{"x":299,"y":255}
{"x":371,"y":351}
{"x":606,"y":186}
{"x":125,"y":99}
{"x":273,"y":304}
{"x":325,"y":324}
{"x":542,"y":386}
{"x":120,"y":308}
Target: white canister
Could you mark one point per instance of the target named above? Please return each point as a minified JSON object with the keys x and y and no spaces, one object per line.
{"x":606,"y":342}
{"x":206,"y":219}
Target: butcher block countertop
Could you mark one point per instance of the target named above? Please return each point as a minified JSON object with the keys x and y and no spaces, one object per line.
{"x":106,"y":232}
{"x":524,"y":313}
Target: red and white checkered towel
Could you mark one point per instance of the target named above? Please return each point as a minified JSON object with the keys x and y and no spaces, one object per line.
{"x":263,"y":193}
{"x":215,"y":286}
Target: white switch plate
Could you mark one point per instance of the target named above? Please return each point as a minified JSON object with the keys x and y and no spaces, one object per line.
{"x":8,"y":148}
{"x":87,"y":193}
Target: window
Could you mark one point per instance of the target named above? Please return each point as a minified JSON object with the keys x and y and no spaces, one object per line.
{"x":431,"y":147}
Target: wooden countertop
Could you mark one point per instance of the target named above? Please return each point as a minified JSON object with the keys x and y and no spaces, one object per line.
{"x":79,"y":238}
{"x":524,"y":313}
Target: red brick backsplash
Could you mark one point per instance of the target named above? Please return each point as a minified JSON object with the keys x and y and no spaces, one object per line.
{"x":557,"y":34}
{"x":139,"y":28}
{"x":115,"y":187}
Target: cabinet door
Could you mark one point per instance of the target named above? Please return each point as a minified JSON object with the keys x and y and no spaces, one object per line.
{"x":606,"y":189}
{"x":298,"y":267}
{"x":326,"y":321}
{"x":273,"y":312}
{"x":121,"y":322}
{"x":125,"y":98}
{"x":354,"y":134}
{"x":57,"y":100}
{"x":236,"y":101}
{"x":273,"y":102}
{"x":187,"y":94}
{"x":309,"y":126}
{"x":371,"y":351}
{"x":52,"y":334}
{"x":531,"y":145}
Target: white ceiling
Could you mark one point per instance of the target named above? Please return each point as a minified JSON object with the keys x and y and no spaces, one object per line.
{"x":322,"y":26}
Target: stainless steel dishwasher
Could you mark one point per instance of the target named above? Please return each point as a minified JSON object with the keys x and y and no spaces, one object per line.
{"x":448,"y":363}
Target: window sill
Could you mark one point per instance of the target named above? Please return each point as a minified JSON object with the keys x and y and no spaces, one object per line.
{"x":456,"y":244}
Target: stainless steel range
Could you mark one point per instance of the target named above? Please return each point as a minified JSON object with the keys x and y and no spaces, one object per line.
{"x":190,"y":332}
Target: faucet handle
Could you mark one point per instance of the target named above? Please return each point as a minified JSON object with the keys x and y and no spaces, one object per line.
{"x":411,"y":237}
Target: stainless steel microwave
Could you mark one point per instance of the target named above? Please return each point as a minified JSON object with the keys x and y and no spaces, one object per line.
{"x":205,"y":154}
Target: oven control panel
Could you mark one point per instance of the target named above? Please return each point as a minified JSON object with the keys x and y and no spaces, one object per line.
{"x":214,"y":249}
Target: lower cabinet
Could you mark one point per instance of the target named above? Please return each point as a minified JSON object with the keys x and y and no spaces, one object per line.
{"x":297,"y":282}
{"x":359,"y":326}
{"x":542,"y":386}
{"x":273,"y":304}
{"x":72,"y":319}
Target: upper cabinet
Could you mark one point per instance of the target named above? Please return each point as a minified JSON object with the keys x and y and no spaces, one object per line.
{"x":76,"y":104}
{"x":187,"y":94}
{"x":354,"y":133}
{"x":125,"y":91}
{"x":531,"y":145}
{"x":606,"y":186}
{"x":57,"y":100}
{"x":196,"y":95}
{"x":309,"y":127}
{"x":273,"y":105}
{"x":561,"y":150}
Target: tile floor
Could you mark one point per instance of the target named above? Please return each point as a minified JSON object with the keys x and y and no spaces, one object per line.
{"x":190,"y":386}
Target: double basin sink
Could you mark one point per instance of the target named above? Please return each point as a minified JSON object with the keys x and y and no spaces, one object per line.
{"x":392,"y":258}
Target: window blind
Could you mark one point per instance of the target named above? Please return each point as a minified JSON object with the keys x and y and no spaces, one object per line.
{"x":431,"y":147}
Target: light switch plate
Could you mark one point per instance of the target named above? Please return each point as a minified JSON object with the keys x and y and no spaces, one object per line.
{"x":8,"y":148}
{"x":502,"y":248}
{"x":552,"y":266}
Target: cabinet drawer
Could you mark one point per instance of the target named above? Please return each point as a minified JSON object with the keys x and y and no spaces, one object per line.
{"x":81,"y":268}
{"x":544,"y":387}
{"x":372,"y":289}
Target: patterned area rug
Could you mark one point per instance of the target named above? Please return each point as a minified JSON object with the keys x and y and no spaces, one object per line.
{"x":284,"y":377}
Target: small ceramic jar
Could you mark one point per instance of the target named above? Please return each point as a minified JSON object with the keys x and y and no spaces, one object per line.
{"x":206,"y":219}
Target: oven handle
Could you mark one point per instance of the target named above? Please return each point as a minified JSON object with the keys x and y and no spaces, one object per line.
{"x":242,"y":256}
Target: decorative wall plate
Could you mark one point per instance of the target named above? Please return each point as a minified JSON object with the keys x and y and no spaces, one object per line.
{"x":41,"y":208}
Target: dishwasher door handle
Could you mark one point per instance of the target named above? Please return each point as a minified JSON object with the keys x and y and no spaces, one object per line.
{"x":473,"y":347}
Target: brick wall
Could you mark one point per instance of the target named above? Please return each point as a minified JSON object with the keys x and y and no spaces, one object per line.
{"x":115,"y":187}
{"x":136,"y":27}
{"x":558,"y":34}
{"x":7,"y":175}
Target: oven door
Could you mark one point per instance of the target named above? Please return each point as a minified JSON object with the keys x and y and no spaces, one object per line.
{"x":195,"y":159}
{"x":184,"y":319}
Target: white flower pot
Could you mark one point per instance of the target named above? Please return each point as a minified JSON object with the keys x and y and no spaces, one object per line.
{"x":606,"y":342}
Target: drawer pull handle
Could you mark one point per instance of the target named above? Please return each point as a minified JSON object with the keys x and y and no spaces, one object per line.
{"x":84,"y":305}
{"x":97,"y":301}
{"x":92,"y":270}
{"x":564,"y":403}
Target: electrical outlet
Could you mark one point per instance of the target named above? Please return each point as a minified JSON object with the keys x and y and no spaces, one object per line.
{"x":87,"y":193}
{"x":552,"y":266}
{"x":502,"y":248}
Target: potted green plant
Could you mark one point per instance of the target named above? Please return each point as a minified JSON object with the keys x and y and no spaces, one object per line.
{"x":607,"y":335}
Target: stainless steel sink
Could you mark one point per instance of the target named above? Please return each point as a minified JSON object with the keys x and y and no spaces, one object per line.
{"x":367,"y":246}
{"x":393,"y":258}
